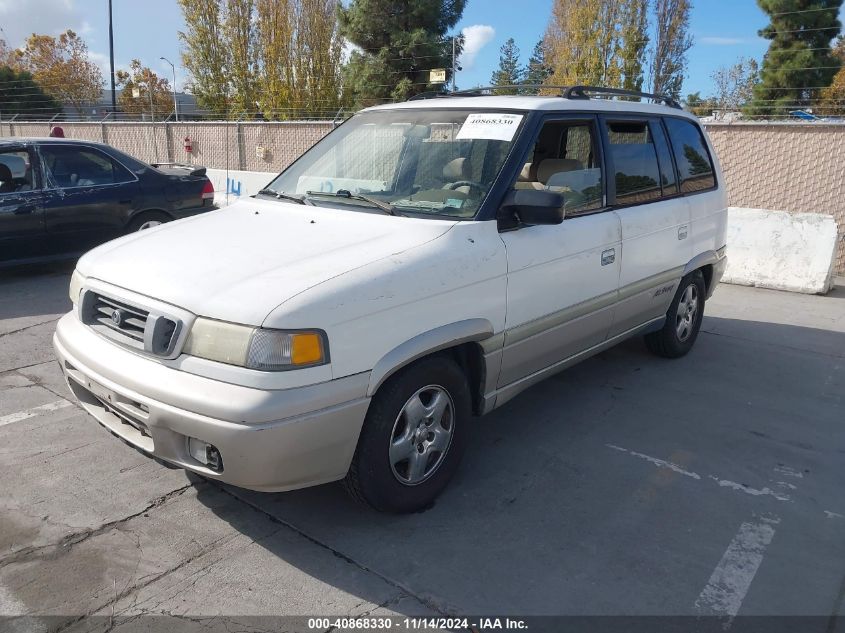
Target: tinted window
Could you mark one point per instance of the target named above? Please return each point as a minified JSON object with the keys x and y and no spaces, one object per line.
{"x":668,"y":179}
{"x":694,"y":164}
{"x":70,"y":166}
{"x":634,"y":162}
{"x":564,"y":160}
{"x":15,"y":172}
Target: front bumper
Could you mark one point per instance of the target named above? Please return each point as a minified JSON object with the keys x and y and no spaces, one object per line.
{"x":269,"y":440}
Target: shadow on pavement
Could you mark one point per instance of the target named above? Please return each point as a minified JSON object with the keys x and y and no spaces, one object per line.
{"x":35,"y":290}
{"x":548,"y":516}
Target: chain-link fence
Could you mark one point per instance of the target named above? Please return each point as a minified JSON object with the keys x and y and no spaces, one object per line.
{"x":794,"y":167}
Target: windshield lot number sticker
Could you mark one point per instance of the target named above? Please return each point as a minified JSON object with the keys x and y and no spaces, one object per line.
{"x":490,"y":126}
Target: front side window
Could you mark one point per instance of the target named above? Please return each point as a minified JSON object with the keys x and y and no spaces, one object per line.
{"x":564,"y":160}
{"x":69,"y":166}
{"x":15,"y":172}
{"x":426,"y":162}
{"x":694,"y":164}
{"x":634,"y":159}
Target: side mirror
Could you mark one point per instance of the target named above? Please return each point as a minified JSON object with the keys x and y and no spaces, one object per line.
{"x":534,"y":206}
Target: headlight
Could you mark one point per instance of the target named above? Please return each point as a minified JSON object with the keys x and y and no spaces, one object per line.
{"x":76,"y":282}
{"x":256,"y":348}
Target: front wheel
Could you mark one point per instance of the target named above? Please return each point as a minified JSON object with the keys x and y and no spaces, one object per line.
{"x":683,"y":319}
{"x":413,"y":437}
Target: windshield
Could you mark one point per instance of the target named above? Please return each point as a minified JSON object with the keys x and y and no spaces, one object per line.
{"x":427,"y":162}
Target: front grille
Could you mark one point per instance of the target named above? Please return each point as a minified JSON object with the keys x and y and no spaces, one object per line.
{"x":131,"y":321}
{"x":129,"y":324}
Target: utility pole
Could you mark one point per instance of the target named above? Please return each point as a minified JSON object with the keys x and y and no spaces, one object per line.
{"x":175,"y":105}
{"x":453,"y":62}
{"x":111,"y":62}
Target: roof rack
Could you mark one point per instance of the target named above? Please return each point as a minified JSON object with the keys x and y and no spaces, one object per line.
{"x":583,"y":92}
{"x":567,"y":92}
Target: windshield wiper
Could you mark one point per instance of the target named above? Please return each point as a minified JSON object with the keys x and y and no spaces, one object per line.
{"x":281,"y":194}
{"x":345,"y":193}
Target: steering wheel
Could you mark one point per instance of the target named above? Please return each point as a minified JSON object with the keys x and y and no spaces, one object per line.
{"x":467,"y":183}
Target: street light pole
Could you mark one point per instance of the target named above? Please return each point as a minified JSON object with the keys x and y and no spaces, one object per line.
{"x":111,"y":63}
{"x":175,"y":105}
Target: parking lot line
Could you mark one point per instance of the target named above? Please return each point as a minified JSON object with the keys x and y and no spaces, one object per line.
{"x":732,"y":577}
{"x":34,"y":411}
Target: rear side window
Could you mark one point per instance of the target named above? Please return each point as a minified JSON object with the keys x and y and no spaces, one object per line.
{"x":70,"y":166}
{"x":695,"y":167}
{"x":634,"y":157}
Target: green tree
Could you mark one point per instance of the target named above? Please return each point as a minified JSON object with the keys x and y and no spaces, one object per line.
{"x":799,"y":62}
{"x":19,"y":94}
{"x":206,"y":54}
{"x":399,"y":42}
{"x":672,"y":40}
{"x":240,"y":32}
{"x":634,"y":42}
{"x":61,"y":66}
{"x":700,"y":106}
{"x":833,"y":97}
{"x":597,"y":42}
{"x":509,"y":73}
{"x":143,"y":80}
{"x":537,"y":71}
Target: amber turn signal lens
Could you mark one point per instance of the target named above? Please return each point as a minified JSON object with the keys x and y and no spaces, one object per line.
{"x":306,"y":349}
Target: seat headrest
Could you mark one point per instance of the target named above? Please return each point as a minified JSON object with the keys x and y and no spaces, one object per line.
{"x":5,"y":173}
{"x":552,"y":166}
{"x":457,"y":169}
{"x":527,"y":174}
{"x":15,"y":164}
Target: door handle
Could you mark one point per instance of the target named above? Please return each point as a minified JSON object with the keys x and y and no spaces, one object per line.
{"x":608,"y":257}
{"x":683,"y":232}
{"x":23,"y":209}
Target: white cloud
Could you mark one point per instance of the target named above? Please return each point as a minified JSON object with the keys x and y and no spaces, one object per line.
{"x":721,"y":41}
{"x":476,"y":37}
{"x":20,"y":19}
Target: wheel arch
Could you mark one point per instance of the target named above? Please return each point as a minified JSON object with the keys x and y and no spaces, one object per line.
{"x":461,"y":340}
{"x":706,"y":262}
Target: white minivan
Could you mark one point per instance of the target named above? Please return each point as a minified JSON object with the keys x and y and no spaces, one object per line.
{"x":420,"y":265}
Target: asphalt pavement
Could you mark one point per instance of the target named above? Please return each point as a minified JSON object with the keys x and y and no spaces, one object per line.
{"x":626,"y":486}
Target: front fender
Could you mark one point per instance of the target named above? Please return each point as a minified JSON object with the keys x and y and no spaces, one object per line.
{"x":439,"y":338}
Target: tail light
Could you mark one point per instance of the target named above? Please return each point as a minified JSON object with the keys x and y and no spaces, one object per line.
{"x":208,"y":191}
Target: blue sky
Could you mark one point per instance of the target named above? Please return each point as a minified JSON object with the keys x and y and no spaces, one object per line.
{"x":724,"y":30}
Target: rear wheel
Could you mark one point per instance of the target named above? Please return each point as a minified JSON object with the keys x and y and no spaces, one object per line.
{"x":413,"y":437}
{"x":147,"y":220}
{"x":683,"y":319}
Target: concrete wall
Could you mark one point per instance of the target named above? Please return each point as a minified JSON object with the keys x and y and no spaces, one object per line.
{"x":795,"y":168}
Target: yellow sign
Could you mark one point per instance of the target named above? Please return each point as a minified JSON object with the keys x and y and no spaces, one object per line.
{"x":437,"y":76}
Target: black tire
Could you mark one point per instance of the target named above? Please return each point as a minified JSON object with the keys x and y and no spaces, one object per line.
{"x":668,"y":342}
{"x":372,"y":478}
{"x":141,"y":221}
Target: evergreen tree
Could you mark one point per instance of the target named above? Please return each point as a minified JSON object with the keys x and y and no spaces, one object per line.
{"x":399,"y":43}
{"x":537,"y":71}
{"x":799,"y":62}
{"x":509,"y":72}
{"x":19,"y":94}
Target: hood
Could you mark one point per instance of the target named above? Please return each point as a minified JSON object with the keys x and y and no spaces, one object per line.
{"x":239,"y":263}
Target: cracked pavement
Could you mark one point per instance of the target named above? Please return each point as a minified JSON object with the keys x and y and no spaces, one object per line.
{"x":581,"y":496}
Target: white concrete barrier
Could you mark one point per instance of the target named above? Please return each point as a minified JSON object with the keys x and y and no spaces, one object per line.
{"x":231,"y":185}
{"x":780,"y":250}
